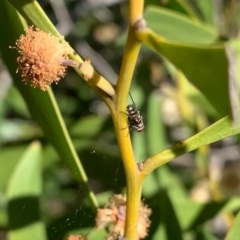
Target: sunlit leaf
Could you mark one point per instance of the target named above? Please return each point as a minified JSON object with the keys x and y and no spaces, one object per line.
{"x":23,"y":192}
{"x":178,"y":28}
{"x":42,"y":105}
{"x":233,"y":234}
{"x":206,"y":67}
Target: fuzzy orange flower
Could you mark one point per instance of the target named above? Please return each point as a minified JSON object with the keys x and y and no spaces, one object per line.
{"x":41,"y":58}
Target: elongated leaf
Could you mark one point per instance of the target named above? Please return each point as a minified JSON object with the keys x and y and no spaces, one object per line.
{"x":205,"y":66}
{"x":169,"y":218}
{"x":162,"y":177}
{"x":155,"y":125}
{"x":192,"y":214}
{"x":177,"y":27}
{"x":234,"y":232}
{"x":9,"y":156}
{"x":181,"y":6}
{"x":217,"y":131}
{"x":42,"y":105}
{"x":23,"y":192}
{"x":191,"y":47}
{"x":171,"y":228}
{"x":204,"y":233}
{"x":33,"y":13}
{"x":3,"y":212}
{"x":206,"y":8}
{"x":88,"y":126}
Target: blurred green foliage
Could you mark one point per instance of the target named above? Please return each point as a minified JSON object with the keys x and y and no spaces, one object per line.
{"x":38,"y":192}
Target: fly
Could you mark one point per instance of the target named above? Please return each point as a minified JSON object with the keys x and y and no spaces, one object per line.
{"x":135,"y":119}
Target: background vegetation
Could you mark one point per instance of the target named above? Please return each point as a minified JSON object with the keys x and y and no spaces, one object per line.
{"x":196,"y":196}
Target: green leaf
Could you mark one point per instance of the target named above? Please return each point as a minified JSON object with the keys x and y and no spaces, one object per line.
{"x":181,"y":6}
{"x":232,"y":205}
{"x":163,"y":176}
{"x":183,"y":42}
{"x":172,"y":183}
{"x":88,"y":126}
{"x":151,"y":185}
{"x":234,"y":232}
{"x":16,"y":102}
{"x":177,"y":27}
{"x":155,"y":125}
{"x":3,"y":211}
{"x":23,"y":193}
{"x":138,"y":140}
{"x":189,"y":98}
{"x":9,"y":156}
{"x":204,"y":233}
{"x":217,"y":131}
{"x":34,"y":14}
{"x":42,"y":105}
{"x":206,"y":67}
{"x":18,"y":130}
{"x":204,"y":213}
{"x":169,"y":218}
{"x":192,"y":214}
{"x":206,"y":8}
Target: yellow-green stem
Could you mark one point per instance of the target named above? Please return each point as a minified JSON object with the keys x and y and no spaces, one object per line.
{"x":127,"y":69}
{"x":134,"y":181}
{"x":123,"y":135}
{"x":134,"y":190}
{"x":135,"y":11}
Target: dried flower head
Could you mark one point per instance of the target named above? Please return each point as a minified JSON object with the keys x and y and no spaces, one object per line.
{"x":75,"y":237}
{"x":41,"y":56}
{"x":113,"y":216}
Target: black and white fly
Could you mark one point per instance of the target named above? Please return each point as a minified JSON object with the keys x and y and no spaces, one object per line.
{"x":135,"y":119}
